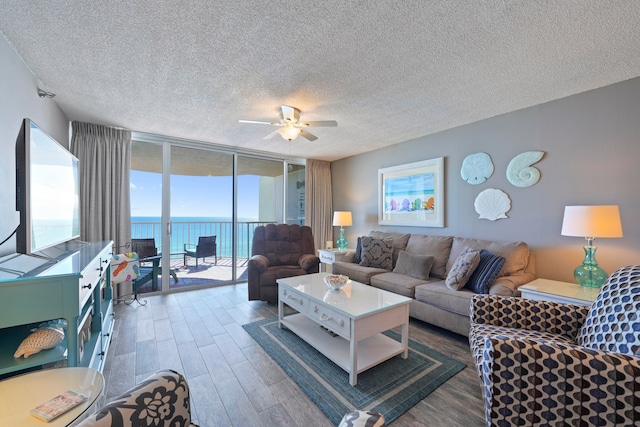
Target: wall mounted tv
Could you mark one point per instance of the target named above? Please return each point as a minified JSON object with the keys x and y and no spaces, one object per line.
{"x":47,"y":191}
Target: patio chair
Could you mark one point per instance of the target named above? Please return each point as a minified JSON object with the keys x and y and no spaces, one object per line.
{"x":206,"y":247}
{"x":149,"y":262}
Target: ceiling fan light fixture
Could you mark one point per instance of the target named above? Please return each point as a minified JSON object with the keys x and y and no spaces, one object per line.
{"x":289,"y":132}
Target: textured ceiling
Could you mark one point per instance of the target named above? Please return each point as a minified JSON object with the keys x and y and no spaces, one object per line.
{"x":386,"y":71}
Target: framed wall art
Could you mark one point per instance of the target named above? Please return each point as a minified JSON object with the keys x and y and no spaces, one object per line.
{"x":412,"y":194}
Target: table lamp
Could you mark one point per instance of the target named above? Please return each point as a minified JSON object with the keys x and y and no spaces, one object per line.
{"x":591,"y":222}
{"x":342,"y":219}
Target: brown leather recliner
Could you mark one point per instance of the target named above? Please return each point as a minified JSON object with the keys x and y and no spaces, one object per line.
{"x":279,"y":251}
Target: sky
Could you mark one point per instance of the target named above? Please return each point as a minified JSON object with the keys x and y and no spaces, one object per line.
{"x":194,"y":196}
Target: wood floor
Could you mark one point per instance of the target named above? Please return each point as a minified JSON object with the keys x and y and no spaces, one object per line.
{"x":232,"y":380}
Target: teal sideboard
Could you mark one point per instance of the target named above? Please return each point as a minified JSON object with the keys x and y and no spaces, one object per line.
{"x":72,"y":283}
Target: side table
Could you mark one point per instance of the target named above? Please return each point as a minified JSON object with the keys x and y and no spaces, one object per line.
{"x":329,"y":256}
{"x":552,"y":290}
{"x":24,"y":392}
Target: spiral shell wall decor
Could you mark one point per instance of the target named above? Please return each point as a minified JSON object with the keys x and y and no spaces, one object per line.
{"x":520,"y":172}
{"x":476,"y":168}
{"x":492,"y":204}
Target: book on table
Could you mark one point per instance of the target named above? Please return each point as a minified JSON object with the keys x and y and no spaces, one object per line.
{"x":58,"y":405}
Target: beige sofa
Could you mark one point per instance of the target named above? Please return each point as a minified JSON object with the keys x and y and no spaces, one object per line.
{"x":433,"y":301}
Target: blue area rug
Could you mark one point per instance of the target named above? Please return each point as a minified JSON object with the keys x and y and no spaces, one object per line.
{"x":390,"y":388}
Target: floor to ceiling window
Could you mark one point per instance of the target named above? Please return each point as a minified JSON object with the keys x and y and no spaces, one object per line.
{"x":201,"y":199}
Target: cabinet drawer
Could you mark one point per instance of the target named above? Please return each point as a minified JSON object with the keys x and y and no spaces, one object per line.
{"x":331,"y":319}
{"x":327,"y":257}
{"x":89,"y":280}
{"x":294,"y":299}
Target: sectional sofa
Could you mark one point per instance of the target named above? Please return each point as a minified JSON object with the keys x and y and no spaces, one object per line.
{"x":433,"y":301}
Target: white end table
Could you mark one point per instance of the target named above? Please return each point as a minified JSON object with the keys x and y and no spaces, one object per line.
{"x":329,"y":256}
{"x":553,"y":290}
{"x":24,"y":392}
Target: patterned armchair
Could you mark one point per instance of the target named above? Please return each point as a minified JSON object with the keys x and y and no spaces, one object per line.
{"x":546,"y":363}
{"x":160,"y":400}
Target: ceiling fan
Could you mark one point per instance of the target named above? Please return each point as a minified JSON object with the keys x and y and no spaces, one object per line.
{"x":291,"y":126}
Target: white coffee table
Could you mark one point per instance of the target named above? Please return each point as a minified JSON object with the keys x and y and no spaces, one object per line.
{"x":356,"y":315}
{"x":21,"y":393}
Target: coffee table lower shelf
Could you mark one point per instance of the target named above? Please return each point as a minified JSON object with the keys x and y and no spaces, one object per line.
{"x":371,"y":351}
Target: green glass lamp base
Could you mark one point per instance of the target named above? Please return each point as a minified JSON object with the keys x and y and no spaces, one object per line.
{"x":589,"y":274}
{"x":342,"y":241}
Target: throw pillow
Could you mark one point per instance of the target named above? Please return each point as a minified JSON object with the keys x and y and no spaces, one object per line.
{"x":358,"y":256}
{"x":362,"y":419}
{"x":462,"y":269}
{"x":416,"y":266}
{"x":376,"y":253}
{"x":486,"y":273}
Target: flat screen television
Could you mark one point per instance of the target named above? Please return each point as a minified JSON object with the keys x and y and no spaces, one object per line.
{"x":47,"y":191}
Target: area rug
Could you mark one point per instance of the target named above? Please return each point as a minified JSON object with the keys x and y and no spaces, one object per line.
{"x":390,"y":388}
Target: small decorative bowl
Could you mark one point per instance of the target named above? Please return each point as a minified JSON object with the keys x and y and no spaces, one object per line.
{"x":336,"y":281}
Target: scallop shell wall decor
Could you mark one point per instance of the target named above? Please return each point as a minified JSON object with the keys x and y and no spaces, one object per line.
{"x":476,"y":168}
{"x":520,"y":172}
{"x":492,"y":204}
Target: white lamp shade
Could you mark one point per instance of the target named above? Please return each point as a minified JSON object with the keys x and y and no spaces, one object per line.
{"x":592,"y":221}
{"x":289,"y":132}
{"x":342,"y":218}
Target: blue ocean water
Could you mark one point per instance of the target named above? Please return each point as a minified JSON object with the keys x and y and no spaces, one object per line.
{"x":186,"y":230}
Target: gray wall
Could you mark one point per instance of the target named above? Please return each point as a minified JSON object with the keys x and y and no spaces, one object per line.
{"x":19,"y":99}
{"x":592,"y":149}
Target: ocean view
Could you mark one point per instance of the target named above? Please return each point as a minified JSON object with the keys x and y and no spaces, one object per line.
{"x":188,"y":229}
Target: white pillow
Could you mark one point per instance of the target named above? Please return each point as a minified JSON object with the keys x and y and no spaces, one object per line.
{"x":462,"y":268}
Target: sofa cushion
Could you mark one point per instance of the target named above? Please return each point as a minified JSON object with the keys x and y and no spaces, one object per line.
{"x":356,"y":271}
{"x":462,"y":269}
{"x":486,"y":273}
{"x":376,"y":253}
{"x":438,"y":295}
{"x":516,"y":254}
{"x":438,"y":247}
{"x":399,"y":242}
{"x":416,"y":266}
{"x":400,"y":284}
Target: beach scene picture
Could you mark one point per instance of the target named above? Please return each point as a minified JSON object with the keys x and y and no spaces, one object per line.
{"x":411,"y":194}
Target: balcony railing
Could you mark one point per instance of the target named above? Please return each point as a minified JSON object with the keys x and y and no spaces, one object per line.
{"x":188,"y":232}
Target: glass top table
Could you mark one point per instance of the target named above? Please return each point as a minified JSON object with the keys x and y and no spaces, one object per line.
{"x":24,"y":392}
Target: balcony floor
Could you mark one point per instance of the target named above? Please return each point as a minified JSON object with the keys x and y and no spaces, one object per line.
{"x":207,"y":273}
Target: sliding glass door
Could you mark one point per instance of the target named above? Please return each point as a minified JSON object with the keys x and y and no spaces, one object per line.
{"x":199,"y":198}
{"x":201,"y":212}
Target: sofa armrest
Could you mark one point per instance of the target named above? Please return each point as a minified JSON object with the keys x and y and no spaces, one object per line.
{"x":349,"y":256}
{"x":524,"y":313}
{"x":508,"y":285}
{"x":161,"y":399}
{"x":563,"y":381}
{"x":309,"y":262}
{"x":259,"y":263}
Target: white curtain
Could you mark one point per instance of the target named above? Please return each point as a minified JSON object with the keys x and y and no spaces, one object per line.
{"x":105,"y":160}
{"x":318,"y":205}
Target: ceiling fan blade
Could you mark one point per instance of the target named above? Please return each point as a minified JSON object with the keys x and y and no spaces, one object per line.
{"x":272,"y":134}
{"x":257,"y":122}
{"x":307,"y":135}
{"x":320,"y":123}
{"x":289,"y":114}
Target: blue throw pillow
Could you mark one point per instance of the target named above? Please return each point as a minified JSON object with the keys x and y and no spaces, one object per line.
{"x":486,"y":272}
{"x":358,"y":256}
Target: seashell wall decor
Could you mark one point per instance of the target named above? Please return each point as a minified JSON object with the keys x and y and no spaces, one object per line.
{"x":520,"y":172}
{"x":492,"y":204}
{"x":476,"y":168}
